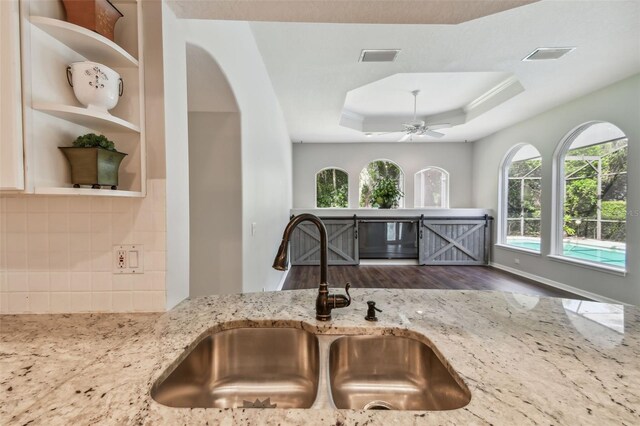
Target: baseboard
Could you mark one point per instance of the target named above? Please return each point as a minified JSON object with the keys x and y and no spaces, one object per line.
{"x":283,"y":279}
{"x":397,"y":262}
{"x":558,"y":285}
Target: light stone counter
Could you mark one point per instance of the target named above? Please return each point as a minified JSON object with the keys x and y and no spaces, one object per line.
{"x":526,"y":360}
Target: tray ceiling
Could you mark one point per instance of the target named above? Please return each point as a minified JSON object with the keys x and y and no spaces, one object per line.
{"x":315,"y":70}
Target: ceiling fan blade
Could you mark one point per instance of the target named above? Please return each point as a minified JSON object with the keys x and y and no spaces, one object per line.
{"x":433,"y":134}
{"x":439,"y":126}
{"x":405,"y":137}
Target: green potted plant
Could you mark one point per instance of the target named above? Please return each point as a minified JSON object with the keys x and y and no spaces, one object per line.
{"x":94,"y":161}
{"x":386,"y":194}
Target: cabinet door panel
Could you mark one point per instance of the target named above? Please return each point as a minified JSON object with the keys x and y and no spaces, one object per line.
{"x":11,"y":148}
{"x":455,"y":242}
{"x":343,"y":245}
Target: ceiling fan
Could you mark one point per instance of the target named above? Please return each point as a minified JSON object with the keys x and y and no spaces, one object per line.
{"x":418,"y":127}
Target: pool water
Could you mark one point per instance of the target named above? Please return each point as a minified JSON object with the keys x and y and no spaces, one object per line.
{"x":592,"y":254}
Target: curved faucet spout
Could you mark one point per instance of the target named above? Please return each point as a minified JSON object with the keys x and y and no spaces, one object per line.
{"x":281,"y":261}
{"x":325,"y":301}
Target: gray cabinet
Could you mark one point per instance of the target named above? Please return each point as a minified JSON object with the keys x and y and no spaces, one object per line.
{"x":455,"y":241}
{"x":441,"y":240}
{"x":304,"y":244}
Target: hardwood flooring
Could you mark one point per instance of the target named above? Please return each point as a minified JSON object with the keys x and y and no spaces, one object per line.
{"x":421,"y":277}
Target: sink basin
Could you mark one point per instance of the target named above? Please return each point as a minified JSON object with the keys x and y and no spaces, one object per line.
{"x":234,"y":368}
{"x":391,"y":373}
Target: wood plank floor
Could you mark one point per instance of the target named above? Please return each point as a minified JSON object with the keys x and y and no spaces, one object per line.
{"x":421,"y":277}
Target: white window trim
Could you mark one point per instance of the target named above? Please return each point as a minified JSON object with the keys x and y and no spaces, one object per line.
{"x":315,"y":187}
{"x":602,"y":267}
{"x":444,"y":189}
{"x":518,"y":249}
{"x":503,"y":194}
{"x":557,"y":204}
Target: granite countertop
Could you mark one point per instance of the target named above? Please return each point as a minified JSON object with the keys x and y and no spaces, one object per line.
{"x":526,"y":360}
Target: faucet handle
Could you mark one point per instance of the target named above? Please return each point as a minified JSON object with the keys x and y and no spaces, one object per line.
{"x":346,"y":290}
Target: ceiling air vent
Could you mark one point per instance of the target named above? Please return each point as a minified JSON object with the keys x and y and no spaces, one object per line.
{"x":379,"y":55}
{"x":547,"y":53}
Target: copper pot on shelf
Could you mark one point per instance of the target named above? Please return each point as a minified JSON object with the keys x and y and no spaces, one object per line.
{"x":96,"y":15}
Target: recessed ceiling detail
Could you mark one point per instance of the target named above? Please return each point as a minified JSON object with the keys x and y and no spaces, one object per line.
{"x":548,"y":53}
{"x":379,"y":55}
{"x":313,"y":70}
{"x":445,"y":99}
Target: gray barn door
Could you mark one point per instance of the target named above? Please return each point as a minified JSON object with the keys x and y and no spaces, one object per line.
{"x":455,"y":242}
{"x":304,"y":245}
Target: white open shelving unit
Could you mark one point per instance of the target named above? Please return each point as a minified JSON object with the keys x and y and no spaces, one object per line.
{"x":52,"y":115}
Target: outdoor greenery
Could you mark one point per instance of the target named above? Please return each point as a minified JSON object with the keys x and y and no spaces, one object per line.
{"x":581,"y":191}
{"x":385,"y":172}
{"x":91,"y":140}
{"x":524,"y":198}
{"x":386,"y":193}
{"x":332,"y":188}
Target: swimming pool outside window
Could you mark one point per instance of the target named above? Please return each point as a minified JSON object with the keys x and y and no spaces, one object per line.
{"x":520,"y":198}
{"x":591,"y":206}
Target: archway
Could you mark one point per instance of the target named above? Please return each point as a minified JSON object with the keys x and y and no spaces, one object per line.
{"x":215,"y":179}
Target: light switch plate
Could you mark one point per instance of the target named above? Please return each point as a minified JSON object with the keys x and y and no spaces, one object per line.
{"x":128,"y":259}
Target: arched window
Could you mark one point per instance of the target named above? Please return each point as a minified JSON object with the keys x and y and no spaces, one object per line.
{"x":332,"y":188}
{"x":431,"y":188}
{"x":381,"y":177}
{"x":590,"y":196}
{"x":520,"y":207}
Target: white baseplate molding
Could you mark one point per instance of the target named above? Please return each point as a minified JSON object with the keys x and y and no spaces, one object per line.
{"x":559,"y":285}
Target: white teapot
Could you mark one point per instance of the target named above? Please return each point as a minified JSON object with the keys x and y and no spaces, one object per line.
{"x":96,"y":86}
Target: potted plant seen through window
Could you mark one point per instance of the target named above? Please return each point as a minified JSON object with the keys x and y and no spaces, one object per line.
{"x":386,"y":193}
{"x":94,"y":161}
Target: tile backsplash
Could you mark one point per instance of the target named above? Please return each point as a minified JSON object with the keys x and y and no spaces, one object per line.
{"x":56,"y":252}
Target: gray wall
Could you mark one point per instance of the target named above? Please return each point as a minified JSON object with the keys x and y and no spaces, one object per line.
{"x":215,"y":179}
{"x":215,"y":203}
{"x":308,"y":159}
{"x":618,"y":104}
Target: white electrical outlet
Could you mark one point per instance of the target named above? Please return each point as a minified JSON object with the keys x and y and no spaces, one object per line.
{"x":121,"y":259}
{"x":128,"y":259}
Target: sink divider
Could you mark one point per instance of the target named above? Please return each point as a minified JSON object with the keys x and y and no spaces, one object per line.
{"x":324,"y":398}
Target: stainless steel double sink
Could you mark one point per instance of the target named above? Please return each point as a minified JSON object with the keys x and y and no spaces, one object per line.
{"x":292,"y":368}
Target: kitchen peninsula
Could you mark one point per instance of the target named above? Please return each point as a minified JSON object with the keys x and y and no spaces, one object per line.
{"x":524,"y":359}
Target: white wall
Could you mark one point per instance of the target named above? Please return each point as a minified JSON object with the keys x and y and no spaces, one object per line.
{"x":308,"y":159}
{"x":618,"y":104}
{"x":266,"y":147}
{"x":177,"y":157}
